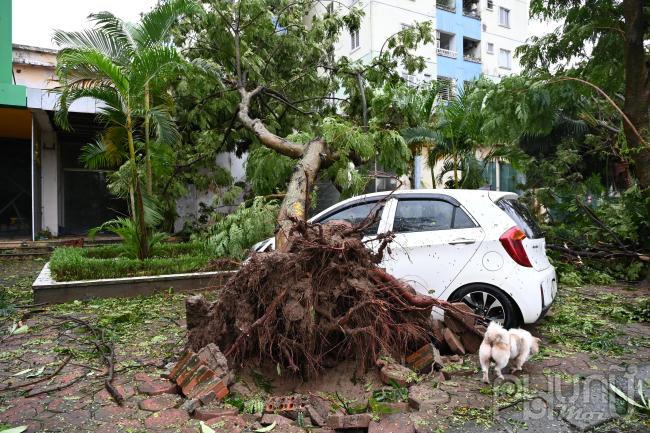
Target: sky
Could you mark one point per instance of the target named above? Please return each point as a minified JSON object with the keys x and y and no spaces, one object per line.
{"x":34,"y":20}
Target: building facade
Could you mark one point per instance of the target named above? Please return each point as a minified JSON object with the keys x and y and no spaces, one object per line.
{"x":473,"y":37}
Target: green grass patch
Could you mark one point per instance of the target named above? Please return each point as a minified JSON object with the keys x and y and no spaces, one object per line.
{"x":74,"y":264}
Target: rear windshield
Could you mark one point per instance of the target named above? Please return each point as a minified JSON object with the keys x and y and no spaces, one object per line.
{"x":518,"y":212}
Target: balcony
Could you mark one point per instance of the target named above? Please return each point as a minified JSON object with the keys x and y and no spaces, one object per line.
{"x":472,"y":14}
{"x":447,"y":6}
{"x":447,"y":53}
{"x":470,"y":58}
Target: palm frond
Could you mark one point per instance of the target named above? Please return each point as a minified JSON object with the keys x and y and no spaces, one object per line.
{"x":153,"y":29}
{"x":93,"y":39}
{"x":101,"y":154}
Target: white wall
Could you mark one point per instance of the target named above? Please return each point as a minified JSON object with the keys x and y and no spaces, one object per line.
{"x":189,"y":203}
{"x":503,"y":37}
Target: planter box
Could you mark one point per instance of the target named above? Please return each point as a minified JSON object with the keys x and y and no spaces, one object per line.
{"x":47,"y":290}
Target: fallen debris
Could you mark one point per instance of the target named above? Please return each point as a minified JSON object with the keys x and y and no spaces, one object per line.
{"x":324,"y":296}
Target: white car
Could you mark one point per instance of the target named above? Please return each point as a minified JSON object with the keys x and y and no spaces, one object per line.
{"x":476,"y":246}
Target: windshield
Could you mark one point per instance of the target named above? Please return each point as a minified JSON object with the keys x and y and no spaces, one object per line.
{"x":520,"y":215}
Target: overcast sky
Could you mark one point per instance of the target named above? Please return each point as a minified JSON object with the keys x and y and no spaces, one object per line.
{"x":34,"y":21}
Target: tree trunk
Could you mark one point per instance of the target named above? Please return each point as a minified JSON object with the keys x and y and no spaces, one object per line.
{"x":302,"y":180}
{"x":147,"y":152}
{"x":637,"y":97}
{"x":138,"y":217}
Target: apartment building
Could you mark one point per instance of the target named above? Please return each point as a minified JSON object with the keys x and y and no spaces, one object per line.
{"x":473,"y":37}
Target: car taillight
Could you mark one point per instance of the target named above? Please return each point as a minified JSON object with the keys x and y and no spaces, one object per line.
{"x":512,"y":242}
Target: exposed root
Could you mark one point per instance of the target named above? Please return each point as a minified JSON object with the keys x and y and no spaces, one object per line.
{"x":324,"y":297}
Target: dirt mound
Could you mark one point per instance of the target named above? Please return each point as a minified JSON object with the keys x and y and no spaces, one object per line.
{"x":324,"y":298}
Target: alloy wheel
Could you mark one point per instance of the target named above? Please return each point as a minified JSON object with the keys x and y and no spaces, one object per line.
{"x":486,"y":305}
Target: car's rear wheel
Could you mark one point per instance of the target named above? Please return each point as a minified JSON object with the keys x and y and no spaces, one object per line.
{"x":489,"y":302}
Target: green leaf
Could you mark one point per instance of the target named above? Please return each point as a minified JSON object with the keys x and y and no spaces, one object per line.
{"x":206,"y":429}
{"x":267,"y":428}
{"x":20,"y":429}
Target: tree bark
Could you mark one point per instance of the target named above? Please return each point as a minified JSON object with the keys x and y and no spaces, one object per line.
{"x":637,"y":97}
{"x":302,"y":179}
{"x":147,"y":151}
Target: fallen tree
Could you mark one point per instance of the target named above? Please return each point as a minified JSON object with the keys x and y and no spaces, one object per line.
{"x":323,"y":297}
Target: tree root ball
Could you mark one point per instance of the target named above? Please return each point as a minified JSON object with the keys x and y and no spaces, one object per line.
{"x":323,"y":297}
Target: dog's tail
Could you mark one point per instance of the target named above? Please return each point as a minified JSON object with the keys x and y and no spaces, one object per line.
{"x":496,"y":334}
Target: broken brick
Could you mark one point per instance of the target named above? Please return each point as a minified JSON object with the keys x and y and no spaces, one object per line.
{"x":178,"y":369}
{"x":422,"y":360}
{"x":393,"y":423}
{"x":343,"y":422}
{"x":207,"y":413}
{"x":269,"y":418}
{"x":453,"y":342}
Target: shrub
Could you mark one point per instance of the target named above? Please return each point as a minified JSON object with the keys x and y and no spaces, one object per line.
{"x":72,"y":264}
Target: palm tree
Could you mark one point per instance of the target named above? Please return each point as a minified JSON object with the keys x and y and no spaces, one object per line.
{"x":125,"y":67}
{"x":452,"y":135}
{"x":125,"y":43}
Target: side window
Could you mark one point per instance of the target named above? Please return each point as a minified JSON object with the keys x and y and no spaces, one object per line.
{"x":462,"y":220}
{"x":356,"y":214}
{"x":422,"y":216}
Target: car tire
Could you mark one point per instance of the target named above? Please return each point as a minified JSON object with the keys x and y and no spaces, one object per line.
{"x":499,"y":306}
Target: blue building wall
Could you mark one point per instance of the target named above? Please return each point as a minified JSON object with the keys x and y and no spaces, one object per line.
{"x":461,"y":26}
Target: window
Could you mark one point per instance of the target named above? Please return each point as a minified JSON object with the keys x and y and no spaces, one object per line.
{"x":411,"y":81}
{"x":490,"y":5}
{"x":427,"y":78}
{"x":504,"y":17}
{"x":504,"y":59}
{"x":520,"y":215}
{"x":356,"y":213}
{"x":462,"y":220}
{"x":447,"y":90}
{"x":354,"y":40}
{"x":490,"y":48}
{"x":422,"y":216}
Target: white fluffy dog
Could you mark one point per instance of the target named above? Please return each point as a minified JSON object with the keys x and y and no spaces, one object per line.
{"x":502,"y":346}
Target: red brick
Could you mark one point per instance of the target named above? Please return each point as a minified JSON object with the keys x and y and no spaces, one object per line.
{"x":402,"y":407}
{"x":32,"y":426}
{"x":269,"y":418}
{"x":348,"y":421}
{"x":471,"y":342}
{"x":142,"y":377}
{"x":422,"y":360}
{"x":114,"y":413}
{"x":227,"y":424}
{"x":453,"y":342}
{"x":67,"y":405}
{"x":166,"y":418}
{"x":21,"y":412}
{"x":392,"y":423}
{"x":188,"y":368}
{"x":220,"y":388}
{"x":209,"y":379}
{"x":195,"y":378}
{"x":160,"y":402}
{"x":67,"y":421}
{"x":121,"y":426}
{"x":178,"y":369}
{"x":157,"y":388}
{"x":205,"y":413}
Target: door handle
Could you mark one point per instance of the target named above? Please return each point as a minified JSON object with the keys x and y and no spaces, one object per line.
{"x":462,"y":241}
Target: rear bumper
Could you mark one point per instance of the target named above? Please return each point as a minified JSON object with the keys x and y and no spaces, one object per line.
{"x":523,"y":286}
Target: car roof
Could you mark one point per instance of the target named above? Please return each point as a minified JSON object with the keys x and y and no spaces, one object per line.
{"x":460,"y":194}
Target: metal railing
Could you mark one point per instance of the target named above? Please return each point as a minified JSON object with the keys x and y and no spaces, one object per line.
{"x":471,"y":58}
{"x":447,"y":53}
{"x":448,"y":8}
